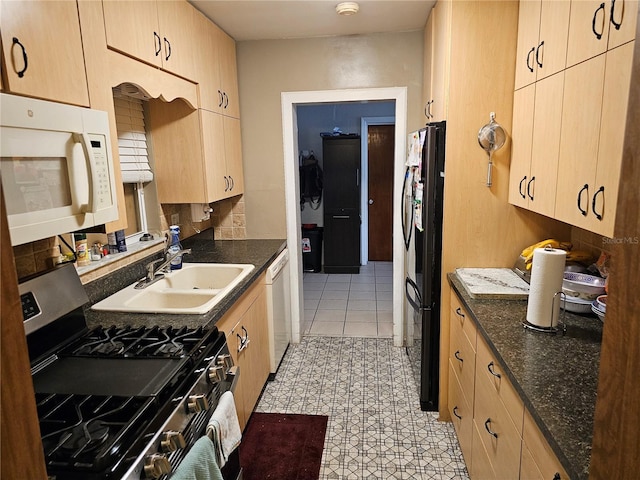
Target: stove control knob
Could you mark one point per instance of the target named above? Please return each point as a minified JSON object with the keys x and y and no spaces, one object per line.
{"x":225,"y":360}
{"x":172,"y":441}
{"x":216,"y":374}
{"x":156,"y":465}
{"x":197,"y":403}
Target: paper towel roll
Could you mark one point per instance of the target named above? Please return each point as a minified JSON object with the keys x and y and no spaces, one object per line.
{"x":546,"y":280}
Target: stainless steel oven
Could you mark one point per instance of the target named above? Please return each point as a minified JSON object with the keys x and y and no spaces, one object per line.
{"x":119,"y":402}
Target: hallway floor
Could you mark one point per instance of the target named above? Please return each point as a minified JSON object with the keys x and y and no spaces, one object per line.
{"x":376,"y":429}
{"x":358,"y":305}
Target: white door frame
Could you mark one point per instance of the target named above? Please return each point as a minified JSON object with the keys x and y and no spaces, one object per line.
{"x":364,"y":191}
{"x":289,"y":101}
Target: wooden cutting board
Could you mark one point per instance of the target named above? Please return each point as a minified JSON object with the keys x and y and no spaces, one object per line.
{"x":498,"y":283}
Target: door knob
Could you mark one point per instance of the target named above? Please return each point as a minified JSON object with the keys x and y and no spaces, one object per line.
{"x":371,"y":201}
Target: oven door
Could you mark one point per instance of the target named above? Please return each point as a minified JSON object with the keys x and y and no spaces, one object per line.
{"x":55,"y":167}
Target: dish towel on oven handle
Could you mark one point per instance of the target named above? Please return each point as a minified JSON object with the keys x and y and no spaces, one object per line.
{"x":200,"y":463}
{"x":224,"y":428}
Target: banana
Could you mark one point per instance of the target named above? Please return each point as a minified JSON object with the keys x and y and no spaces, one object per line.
{"x":579,"y":256}
{"x":527,"y":253}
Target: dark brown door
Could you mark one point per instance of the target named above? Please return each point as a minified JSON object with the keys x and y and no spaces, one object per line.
{"x":380,"y":162}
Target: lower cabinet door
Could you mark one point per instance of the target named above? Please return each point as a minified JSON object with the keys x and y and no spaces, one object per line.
{"x":461,"y":414}
{"x":342,"y":242}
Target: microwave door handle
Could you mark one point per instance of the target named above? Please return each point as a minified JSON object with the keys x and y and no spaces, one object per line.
{"x":84,"y":140}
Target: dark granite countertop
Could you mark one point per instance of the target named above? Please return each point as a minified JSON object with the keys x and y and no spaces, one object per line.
{"x":204,"y":249}
{"x":555,"y":375}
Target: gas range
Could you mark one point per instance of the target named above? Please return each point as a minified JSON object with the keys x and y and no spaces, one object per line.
{"x":119,"y":402}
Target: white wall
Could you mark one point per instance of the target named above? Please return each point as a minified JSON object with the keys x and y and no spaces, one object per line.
{"x":268,"y":68}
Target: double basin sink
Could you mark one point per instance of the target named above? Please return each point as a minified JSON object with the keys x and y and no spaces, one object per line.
{"x":194,"y":289}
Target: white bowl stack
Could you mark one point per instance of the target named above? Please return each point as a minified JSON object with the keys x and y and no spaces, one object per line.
{"x":581,"y":290}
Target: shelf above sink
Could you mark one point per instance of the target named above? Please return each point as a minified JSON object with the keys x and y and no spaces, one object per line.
{"x":194,"y":289}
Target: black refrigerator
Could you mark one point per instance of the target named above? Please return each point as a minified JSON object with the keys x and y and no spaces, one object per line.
{"x":422,"y":284}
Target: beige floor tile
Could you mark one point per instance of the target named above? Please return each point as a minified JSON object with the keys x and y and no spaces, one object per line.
{"x":362,"y":295}
{"x":335,"y":295}
{"x":364,"y":329}
{"x":327,"y":328}
{"x":336,"y":286}
{"x":384,"y":305}
{"x":330,"y":316}
{"x":385,"y":330}
{"x":355,"y":316}
{"x":339,"y":277}
{"x":332,"y":305}
{"x":367,"y":305}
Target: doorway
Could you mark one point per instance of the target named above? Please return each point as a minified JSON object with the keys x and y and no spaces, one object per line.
{"x":290,"y":101}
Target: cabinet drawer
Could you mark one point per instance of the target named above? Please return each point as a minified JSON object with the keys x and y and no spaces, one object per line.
{"x":462,"y":358}
{"x":460,"y":316}
{"x":480,"y":467}
{"x":491,"y":374}
{"x":535,"y":445}
{"x":461,"y":413}
{"x":498,"y":433}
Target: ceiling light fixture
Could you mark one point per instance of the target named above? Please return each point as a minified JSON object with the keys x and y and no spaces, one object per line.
{"x":347,"y":8}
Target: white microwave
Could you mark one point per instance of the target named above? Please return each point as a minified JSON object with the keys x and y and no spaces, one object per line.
{"x":56,"y":167}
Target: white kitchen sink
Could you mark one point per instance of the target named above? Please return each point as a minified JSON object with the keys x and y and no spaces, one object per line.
{"x":194,"y":289}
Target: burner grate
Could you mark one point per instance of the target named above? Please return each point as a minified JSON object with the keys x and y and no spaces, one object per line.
{"x":156,"y":342}
{"x":88,"y":431}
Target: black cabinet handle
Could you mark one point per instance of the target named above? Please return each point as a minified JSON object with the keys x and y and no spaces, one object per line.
{"x":612,"y":18}
{"x":593,"y":22}
{"x":530,"y":63}
{"x":538,"y":56}
{"x":582,"y":210}
{"x":556,"y":476}
{"x":232,"y":182}
{"x":221,"y":98}
{"x":491,"y":371}
{"x":158,"y":42}
{"x":458,"y":357}
{"x":486,"y":426}
{"x":226,"y":184}
{"x":226,"y":99}
{"x":426,"y":109}
{"x":24,"y":57}
{"x":429,"y":108}
{"x":459,"y":313}
{"x":455,"y":412}
{"x":167,"y":48}
{"x":531,"y":182}
{"x":520,"y":187}
{"x":593,"y":203}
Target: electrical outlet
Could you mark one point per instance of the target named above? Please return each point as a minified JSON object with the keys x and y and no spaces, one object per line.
{"x":175,"y":219}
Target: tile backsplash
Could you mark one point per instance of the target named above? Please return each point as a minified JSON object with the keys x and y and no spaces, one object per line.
{"x":227,"y":220}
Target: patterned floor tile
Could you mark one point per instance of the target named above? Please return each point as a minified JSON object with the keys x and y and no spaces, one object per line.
{"x":376,"y":429}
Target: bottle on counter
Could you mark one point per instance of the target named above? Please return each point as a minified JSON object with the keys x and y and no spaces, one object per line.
{"x":175,"y":246}
{"x":82,"y":251}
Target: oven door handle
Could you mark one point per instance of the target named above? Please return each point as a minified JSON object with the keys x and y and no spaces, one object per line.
{"x":233,"y":372}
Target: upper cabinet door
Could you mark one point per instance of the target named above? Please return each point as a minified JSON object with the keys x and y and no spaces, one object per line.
{"x":132,"y":28}
{"x":528,"y":33}
{"x":228,"y":75}
{"x":42,"y":50}
{"x":441,"y":60}
{"x":542,"y":39}
{"x":551,"y":49}
{"x":179,"y":33}
{"x":164,"y":34}
{"x":596,"y":26}
{"x":427,"y":66}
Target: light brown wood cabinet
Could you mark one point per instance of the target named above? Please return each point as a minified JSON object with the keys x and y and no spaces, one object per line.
{"x":437,"y":47}
{"x":245,"y":327}
{"x":42,"y":49}
{"x":542,"y":39}
{"x":217,"y":70}
{"x":197,"y":153}
{"x":572,"y":117}
{"x":596,"y":26}
{"x":497,"y":435}
{"x":537,"y":114}
{"x":498,"y":412}
{"x":593,"y":115}
{"x":161,"y":33}
{"x":538,"y":462}
{"x":462,"y":364}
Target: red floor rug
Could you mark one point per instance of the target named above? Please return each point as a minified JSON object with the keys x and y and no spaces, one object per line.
{"x":282,"y":446}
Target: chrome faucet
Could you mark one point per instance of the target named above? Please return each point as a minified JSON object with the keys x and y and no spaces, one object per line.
{"x":152,"y":271}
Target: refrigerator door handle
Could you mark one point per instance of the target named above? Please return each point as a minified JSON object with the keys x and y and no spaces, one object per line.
{"x":416,"y":291}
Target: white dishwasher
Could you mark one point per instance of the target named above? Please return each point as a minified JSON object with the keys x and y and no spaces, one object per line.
{"x":278,"y":309}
